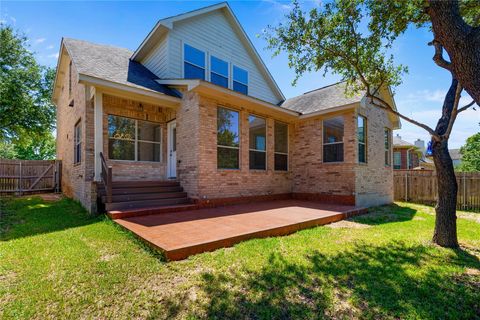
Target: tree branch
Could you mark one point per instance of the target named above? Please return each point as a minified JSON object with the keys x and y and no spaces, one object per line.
{"x":453,"y":116}
{"x":466,"y":107}
{"x":438,"y":56}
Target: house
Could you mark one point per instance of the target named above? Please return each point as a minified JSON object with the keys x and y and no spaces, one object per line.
{"x":456,"y":157}
{"x":193,"y":115}
{"x":407,"y":155}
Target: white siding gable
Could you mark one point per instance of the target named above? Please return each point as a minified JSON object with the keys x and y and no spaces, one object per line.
{"x":214,"y":34}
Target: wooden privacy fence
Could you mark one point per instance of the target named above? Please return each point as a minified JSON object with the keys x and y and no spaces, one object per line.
{"x":420,"y":186}
{"x":19,"y":177}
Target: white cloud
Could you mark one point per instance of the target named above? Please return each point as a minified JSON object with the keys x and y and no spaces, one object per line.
{"x":14,"y":21}
{"x":280,"y":5}
{"x":39,"y":40}
{"x":53,"y":55}
{"x":50,"y":47}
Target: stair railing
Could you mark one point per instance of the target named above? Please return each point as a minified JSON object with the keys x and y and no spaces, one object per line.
{"x":107,"y":178}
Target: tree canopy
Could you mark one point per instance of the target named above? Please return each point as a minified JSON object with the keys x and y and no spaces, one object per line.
{"x":471,"y":154}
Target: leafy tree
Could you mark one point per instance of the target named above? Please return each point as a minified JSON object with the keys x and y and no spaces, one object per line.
{"x":352,"y":38}
{"x":471,"y":154}
{"x":25,"y":89}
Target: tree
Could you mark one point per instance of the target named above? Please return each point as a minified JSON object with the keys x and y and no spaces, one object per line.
{"x":334,"y":38}
{"x":471,"y":154}
{"x":25,"y":89}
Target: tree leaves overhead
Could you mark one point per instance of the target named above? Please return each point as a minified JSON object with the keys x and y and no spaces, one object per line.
{"x":25,"y":89}
{"x":471,"y":154}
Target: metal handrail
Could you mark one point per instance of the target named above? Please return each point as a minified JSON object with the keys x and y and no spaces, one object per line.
{"x":106,"y":178}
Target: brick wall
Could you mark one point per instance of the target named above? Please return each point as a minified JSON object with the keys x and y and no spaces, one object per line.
{"x":136,"y":170}
{"x":374,"y":180}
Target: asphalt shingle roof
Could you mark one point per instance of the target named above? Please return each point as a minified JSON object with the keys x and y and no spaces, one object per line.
{"x":398,"y":142}
{"x":321,"y":99}
{"x":112,"y":64}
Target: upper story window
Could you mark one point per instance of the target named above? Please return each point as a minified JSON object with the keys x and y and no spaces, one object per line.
{"x":387,"y":146}
{"x":258,"y":142}
{"x":77,"y":143}
{"x":240,"y":80}
{"x":228,"y":139}
{"x":281,"y":146}
{"x":362,"y":139}
{"x":219,"y":72}
{"x":333,"y":139}
{"x":194,"y":63}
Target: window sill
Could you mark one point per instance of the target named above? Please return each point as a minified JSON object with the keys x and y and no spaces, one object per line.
{"x":77,"y":164}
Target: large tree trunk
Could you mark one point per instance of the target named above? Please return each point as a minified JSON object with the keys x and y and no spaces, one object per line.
{"x":460,"y":40}
{"x":445,"y":233}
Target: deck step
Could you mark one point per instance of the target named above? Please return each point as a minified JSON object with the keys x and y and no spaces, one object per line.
{"x":144,"y":196}
{"x":145,"y":203}
{"x":139,"y":190}
{"x":129,"y":213}
{"x":147,"y":183}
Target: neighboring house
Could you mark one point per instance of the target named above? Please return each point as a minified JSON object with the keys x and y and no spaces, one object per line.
{"x":195,"y":103}
{"x":456,"y":157}
{"x":407,"y":155}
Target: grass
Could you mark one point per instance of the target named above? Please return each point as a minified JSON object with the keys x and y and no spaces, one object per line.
{"x":58,"y":262}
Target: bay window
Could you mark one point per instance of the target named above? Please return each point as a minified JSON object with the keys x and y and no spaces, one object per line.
{"x":194,"y":63}
{"x":134,"y":140}
{"x":333,"y":139}
{"x":257,"y":142}
{"x":228,"y":139}
{"x":281,"y":146}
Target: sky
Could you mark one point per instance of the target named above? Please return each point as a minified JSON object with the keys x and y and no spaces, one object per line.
{"x":127,"y":23}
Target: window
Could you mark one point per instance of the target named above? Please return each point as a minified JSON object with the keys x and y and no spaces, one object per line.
{"x":397,"y":160}
{"x":219,"y":72}
{"x":333,"y":139}
{"x":257,"y":134}
{"x":362,"y":139}
{"x":133,"y":140}
{"x":194,"y":63}
{"x":70,"y":79}
{"x":77,"y":143}
{"x":228,"y":140}
{"x":387,"y":146}
{"x":281,"y":146}
{"x":240,"y":80}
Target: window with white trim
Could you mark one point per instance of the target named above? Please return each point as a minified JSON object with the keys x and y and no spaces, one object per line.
{"x":387,"y":146}
{"x":218,"y":72}
{"x":194,"y":63}
{"x":240,"y":80}
{"x":134,"y":140}
{"x":77,"y":143}
{"x":397,"y":160}
{"x":281,"y":146}
{"x":228,"y":139}
{"x":257,"y":133}
{"x":333,"y":130}
{"x":362,"y":139}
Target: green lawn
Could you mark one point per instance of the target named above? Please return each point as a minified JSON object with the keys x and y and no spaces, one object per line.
{"x":58,"y":262}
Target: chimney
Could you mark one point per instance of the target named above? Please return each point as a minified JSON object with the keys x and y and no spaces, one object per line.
{"x":420,"y":144}
{"x":398,"y":136}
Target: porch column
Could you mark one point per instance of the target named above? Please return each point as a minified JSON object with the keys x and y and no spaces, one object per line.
{"x":98,"y":132}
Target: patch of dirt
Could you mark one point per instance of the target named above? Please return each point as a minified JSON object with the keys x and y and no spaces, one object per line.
{"x":346,"y":224}
{"x":50,"y":197}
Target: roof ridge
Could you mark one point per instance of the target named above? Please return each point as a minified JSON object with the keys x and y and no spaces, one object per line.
{"x":97,"y":44}
{"x":324,"y":87}
{"x":192,"y":11}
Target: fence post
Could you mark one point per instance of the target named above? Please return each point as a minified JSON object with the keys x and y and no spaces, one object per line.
{"x":464,"y":191}
{"x":20,"y":180}
{"x":406,"y":186}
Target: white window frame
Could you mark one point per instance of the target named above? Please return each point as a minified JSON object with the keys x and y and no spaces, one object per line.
{"x":282,"y":153}
{"x":136,"y":141}
{"x":77,"y":142}
{"x":365,"y":138}
{"x":400,"y":158}
{"x":239,"y":139}
{"x":233,"y":77}
{"x":206,"y":60}
{"x":257,"y":150}
{"x":332,"y":143}
{"x":218,"y":74}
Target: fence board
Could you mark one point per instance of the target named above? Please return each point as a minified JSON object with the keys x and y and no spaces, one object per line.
{"x":420,"y":186}
{"x":29,"y":176}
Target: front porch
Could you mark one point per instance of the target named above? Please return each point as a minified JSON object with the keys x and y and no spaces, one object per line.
{"x":181,"y":234}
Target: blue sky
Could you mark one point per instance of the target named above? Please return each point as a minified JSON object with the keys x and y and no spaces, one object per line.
{"x":125,"y":24}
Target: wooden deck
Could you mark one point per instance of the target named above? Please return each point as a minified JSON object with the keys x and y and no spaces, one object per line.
{"x":181,"y":234}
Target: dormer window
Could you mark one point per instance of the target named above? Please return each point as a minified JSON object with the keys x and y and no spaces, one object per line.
{"x":194,"y":63}
{"x":219,"y":72}
{"x":240,"y":80}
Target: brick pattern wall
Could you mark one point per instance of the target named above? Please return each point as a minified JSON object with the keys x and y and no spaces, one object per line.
{"x":374,"y":180}
{"x":310,"y":174}
{"x":137,"y":170}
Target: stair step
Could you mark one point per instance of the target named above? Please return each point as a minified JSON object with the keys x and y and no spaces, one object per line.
{"x":138,"y":190}
{"x":144,"y":203}
{"x":128,"y":213}
{"x":140,"y":183}
{"x":145,"y":196}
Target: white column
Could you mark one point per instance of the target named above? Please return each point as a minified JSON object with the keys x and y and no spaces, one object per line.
{"x":98,"y":132}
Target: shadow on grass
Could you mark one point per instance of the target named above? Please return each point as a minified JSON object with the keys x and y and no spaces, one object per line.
{"x":386,"y":214}
{"x":391,"y":281}
{"x":24,"y":217}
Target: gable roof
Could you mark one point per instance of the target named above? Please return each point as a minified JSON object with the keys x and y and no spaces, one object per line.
{"x":398,"y":142}
{"x":321,"y":99}
{"x":112,"y":64}
{"x":164,"y":25}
